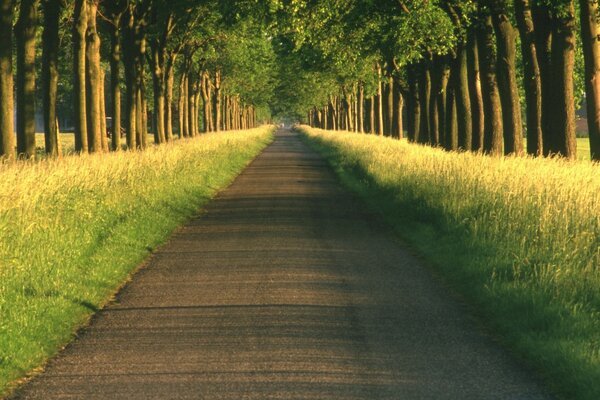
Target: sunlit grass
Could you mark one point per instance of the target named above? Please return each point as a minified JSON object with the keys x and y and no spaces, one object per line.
{"x":519,"y":237}
{"x":73,"y":229}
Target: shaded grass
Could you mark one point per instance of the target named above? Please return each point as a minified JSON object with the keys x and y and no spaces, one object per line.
{"x":72,"y":230}
{"x":519,"y":238}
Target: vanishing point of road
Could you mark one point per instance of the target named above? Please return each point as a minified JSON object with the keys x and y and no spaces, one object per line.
{"x":285,"y":288}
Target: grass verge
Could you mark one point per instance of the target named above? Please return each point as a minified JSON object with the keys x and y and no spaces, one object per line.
{"x":72,"y":231}
{"x":518,"y":237}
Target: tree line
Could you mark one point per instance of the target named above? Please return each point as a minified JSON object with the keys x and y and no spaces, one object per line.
{"x":178,"y":66}
{"x":470,"y":75}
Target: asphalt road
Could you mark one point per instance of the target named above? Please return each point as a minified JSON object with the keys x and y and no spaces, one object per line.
{"x":284,"y":289}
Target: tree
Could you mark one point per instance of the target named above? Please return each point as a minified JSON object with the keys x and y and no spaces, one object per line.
{"x":7,"y":138}
{"x":507,"y":78}
{"x":26,"y":45}
{"x":80,"y":22}
{"x":531,"y":77}
{"x":590,"y":36}
{"x":50,"y":59}
{"x":493,"y":128}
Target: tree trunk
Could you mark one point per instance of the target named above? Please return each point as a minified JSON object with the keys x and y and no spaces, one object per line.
{"x":590,"y":36}
{"x":475,"y":95}
{"x":507,"y":79}
{"x":191,"y":96}
{"x":372,"y":124}
{"x":380,"y":125}
{"x":543,"y":45}
{"x":115,"y":79}
{"x":451,"y":140}
{"x":361,"y":108}
{"x":79,"y":74}
{"x":51,"y":43}
{"x":424,"y":98}
{"x":493,"y":135}
{"x":25,"y":31}
{"x":438,"y":98}
{"x":463,"y":100}
{"x":130,"y":54}
{"x":170,"y":80}
{"x":158,"y":84}
{"x":396,"y":125}
{"x":414,"y":104}
{"x":93,"y":80}
{"x":7,"y":140}
{"x":205,"y":81}
{"x":531,"y":78}
{"x":186,"y":104}
{"x":563,"y":141}
{"x":103,"y":132}
{"x":389,"y":109}
{"x":218,"y":120}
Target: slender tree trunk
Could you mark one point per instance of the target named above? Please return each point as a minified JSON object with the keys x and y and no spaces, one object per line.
{"x":475,"y":95}
{"x":451,"y":140}
{"x":438,"y":97}
{"x":451,"y":134}
{"x":93,"y":80}
{"x":372,"y":123}
{"x":25,"y":30}
{"x":7,"y":140}
{"x":506,"y":39}
{"x":170,"y":80}
{"x":158,"y":84}
{"x":424,"y":98}
{"x":389,"y":109}
{"x":543,"y":44}
{"x":191,"y":91}
{"x":51,"y":43}
{"x":139,"y":119}
{"x":463,"y":100}
{"x":103,"y":131}
{"x":186,"y":105}
{"x":531,"y":77}
{"x":79,"y":74}
{"x":563,"y":141}
{"x":380,"y":125}
{"x":115,"y":79}
{"x":361,"y":108}
{"x":437,"y":76}
{"x":414,"y":104}
{"x":493,"y":135}
{"x":396,"y":122}
{"x":218,"y":121}
{"x":590,"y":37}
{"x":204,"y":82}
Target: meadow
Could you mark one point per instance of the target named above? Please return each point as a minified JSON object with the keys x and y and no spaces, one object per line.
{"x":72,"y":231}
{"x":517,"y":238}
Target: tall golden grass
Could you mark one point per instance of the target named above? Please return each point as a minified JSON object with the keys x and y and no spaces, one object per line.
{"x":519,"y":236}
{"x":72,"y":229}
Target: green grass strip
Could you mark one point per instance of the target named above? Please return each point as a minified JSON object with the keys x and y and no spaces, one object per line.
{"x":73,"y":230}
{"x":518,"y":237}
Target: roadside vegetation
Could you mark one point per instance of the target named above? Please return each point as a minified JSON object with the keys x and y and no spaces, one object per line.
{"x":74,"y":229}
{"x":518,"y":237}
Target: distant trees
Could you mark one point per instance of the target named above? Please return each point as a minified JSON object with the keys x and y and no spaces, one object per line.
{"x":460,"y":66}
{"x":134,"y":48}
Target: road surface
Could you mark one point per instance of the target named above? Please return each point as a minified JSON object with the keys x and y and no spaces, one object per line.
{"x":285,"y":288}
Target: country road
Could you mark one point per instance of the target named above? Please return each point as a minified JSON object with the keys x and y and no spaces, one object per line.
{"x":285,"y":288}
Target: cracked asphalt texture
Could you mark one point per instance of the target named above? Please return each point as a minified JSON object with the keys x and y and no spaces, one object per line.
{"x":285,"y":288}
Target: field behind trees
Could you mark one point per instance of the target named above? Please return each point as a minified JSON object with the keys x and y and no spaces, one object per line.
{"x":519,"y":237}
{"x":73,"y":229}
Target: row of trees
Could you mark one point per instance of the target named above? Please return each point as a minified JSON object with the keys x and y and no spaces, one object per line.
{"x":473,"y":75}
{"x":154,"y":50}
